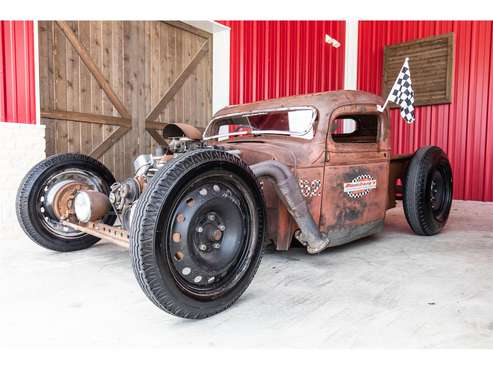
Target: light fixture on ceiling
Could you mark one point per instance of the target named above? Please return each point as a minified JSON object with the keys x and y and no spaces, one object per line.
{"x":331,"y":41}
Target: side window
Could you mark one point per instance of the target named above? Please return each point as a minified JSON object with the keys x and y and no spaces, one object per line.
{"x":355,"y":129}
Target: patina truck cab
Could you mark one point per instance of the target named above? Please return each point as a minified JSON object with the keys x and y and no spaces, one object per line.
{"x":342,"y":164}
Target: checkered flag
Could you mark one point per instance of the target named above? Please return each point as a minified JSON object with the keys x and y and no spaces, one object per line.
{"x":402,"y":94}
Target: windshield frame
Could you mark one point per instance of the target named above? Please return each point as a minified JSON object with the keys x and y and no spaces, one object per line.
{"x":260,"y":132}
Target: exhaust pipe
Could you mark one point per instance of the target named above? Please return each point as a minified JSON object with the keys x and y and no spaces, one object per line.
{"x":289,"y":191}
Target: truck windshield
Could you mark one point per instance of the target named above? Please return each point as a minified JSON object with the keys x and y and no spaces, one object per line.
{"x":296,"y":122}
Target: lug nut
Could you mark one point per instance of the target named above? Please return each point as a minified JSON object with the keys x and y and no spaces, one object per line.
{"x":211,"y":217}
{"x":197,"y":279}
{"x":200,"y":229}
{"x":221,"y":227}
{"x":202,"y":247}
{"x":217,"y":245}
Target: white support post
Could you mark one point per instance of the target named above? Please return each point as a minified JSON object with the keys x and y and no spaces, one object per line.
{"x":351,"y":64}
{"x":351,"y":56}
{"x":220,"y":61}
{"x":36,"y":73}
{"x":220,"y":69}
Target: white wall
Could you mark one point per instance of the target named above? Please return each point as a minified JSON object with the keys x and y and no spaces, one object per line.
{"x":220,"y":61}
{"x":351,"y":63}
{"x":220,"y":70}
{"x":351,"y":55}
{"x":21,"y":146}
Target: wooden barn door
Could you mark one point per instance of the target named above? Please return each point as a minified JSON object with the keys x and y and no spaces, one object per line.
{"x":109,"y":87}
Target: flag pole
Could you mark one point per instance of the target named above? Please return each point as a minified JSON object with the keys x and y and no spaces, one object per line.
{"x":381,"y":108}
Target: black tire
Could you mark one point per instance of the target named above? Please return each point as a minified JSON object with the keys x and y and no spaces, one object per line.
{"x":30,"y":211}
{"x":428,"y":191}
{"x":155,"y":253}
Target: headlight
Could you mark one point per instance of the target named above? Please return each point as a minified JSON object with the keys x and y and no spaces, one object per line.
{"x":91,"y":205}
{"x":82,"y":206}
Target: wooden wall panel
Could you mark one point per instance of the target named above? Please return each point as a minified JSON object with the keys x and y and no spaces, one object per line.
{"x":118,"y":85}
{"x":140,"y":61}
{"x":431,"y":61}
{"x":73,"y":103}
{"x":45,"y":46}
{"x":85,"y":99}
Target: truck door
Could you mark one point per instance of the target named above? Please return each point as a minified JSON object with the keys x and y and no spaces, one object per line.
{"x":356,"y":173}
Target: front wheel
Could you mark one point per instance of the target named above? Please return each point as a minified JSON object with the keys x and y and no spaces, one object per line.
{"x":428,"y":191}
{"x":38,"y":190}
{"x":197,"y":234}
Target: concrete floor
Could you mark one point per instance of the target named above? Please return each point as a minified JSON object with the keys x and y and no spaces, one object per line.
{"x":391,"y":290}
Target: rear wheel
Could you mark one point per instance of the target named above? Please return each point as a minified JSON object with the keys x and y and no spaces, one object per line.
{"x":35,"y":199}
{"x":428,"y":191}
{"x":197,"y":234}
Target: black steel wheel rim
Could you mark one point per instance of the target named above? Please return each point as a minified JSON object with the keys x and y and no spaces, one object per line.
{"x":439,"y":193}
{"x":210,"y":234}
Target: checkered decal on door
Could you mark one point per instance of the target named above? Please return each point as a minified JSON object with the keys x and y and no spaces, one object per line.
{"x":310,"y":189}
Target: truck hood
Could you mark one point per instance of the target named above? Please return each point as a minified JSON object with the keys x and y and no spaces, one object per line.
{"x":293,"y":152}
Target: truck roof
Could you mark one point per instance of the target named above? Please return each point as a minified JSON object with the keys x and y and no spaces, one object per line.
{"x":323,"y":102}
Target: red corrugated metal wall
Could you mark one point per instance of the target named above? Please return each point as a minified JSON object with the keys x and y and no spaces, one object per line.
{"x":464,"y":129}
{"x":272,"y":59}
{"x":17,"y":86}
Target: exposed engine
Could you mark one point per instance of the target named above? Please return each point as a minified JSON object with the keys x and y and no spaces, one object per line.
{"x":124,"y":195}
{"x":179,"y":145}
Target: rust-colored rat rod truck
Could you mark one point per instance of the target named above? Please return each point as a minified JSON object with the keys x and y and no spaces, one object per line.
{"x":196,"y":215}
